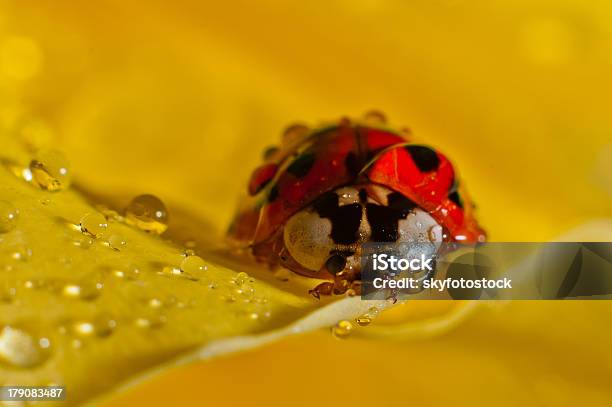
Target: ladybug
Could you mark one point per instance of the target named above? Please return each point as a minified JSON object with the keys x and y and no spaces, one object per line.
{"x":324,"y":192}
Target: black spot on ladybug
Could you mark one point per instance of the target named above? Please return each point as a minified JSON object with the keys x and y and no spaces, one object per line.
{"x":363,"y":196}
{"x":301,"y":165}
{"x":345,"y":219}
{"x":425,"y":158}
{"x":384,"y":219}
{"x":400,"y":203}
{"x":273,"y":194}
{"x":454,"y":196}
{"x":352,"y":164}
{"x":335,"y":263}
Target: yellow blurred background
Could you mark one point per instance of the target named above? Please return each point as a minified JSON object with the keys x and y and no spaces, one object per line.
{"x":180,"y":98}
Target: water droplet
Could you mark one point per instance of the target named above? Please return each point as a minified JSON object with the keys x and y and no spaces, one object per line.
{"x":116,"y":242}
{"x":102,"y":326}
{"x":342,"y":329}
{"x":373,"y":312}
{"x":84,"y":328}
{"x":375,"y":117}
{"x":93,"y":224}
{"x":44,"y":343}
{"x":253,"y":316}
{"x":72,"y":290}
{"x":294,"y":133}
{"x":193,"y":264}
{"x":50,"y":170}
{"x":175,"y":271}
{"x":147,"y":212}
{"x":7,"y":293}
{"x":18,"y":348}
{"x":87,"y":290}
{"x":363,"y":320}
{"x":170,"y":270}
{"x":241,"y":278}
{"x":21,"y":253}
{"x":8,"y":216}
{"x":155,"y":303}
{"x":150,"y":321}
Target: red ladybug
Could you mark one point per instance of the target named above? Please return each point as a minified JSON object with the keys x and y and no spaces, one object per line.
{"x":326,"y":191}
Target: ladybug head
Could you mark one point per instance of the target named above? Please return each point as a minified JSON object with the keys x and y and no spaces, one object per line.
{"x":326,"y":236}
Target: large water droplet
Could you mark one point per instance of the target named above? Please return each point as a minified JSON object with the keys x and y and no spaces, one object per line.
{"x":342,"y":329}
{"x":116,"y":242}
{"x":193,"y":265}
{"x":20,"y":349}
{"x":50,"y":170}
{"x":241,"y":278}
{"x":147,"y":212}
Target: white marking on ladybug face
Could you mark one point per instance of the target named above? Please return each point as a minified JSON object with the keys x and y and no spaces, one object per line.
{"x":307,"y":238}
{"x":419,"y":226}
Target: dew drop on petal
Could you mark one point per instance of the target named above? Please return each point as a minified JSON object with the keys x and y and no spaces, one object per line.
{"x":148,"y":213}
{"x":20,"y":349}
{"x":193,"y":264}
{"x":116,"y":242}
{"x":150,"y":321}
{"x":363,"y":320}
{"x":87,"y":290}
{"x":50,"y":170}
{"x":155,"y":303}
{"x":342,"y":329}
{"x":241,"y":278}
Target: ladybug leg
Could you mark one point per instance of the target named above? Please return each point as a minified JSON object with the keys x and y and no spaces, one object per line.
{"x":346,"y":280}
{"x":326,"y":288}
